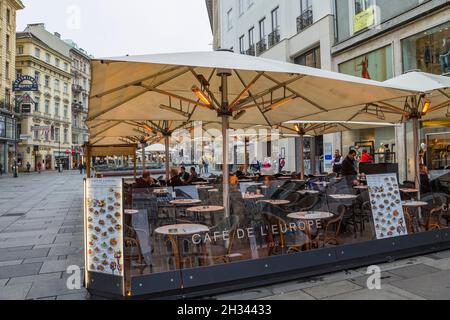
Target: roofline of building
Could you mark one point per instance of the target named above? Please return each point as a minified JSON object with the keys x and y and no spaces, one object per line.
{"x":29,"y":35}
{"x":17,"y":4}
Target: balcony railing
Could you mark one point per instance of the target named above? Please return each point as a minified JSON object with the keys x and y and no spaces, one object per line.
{"x":261,"y":47}
{"x":250,"y":51}
{"x":77,"y":88}
{"x":305,"y":19}
{"x":274,"y":38}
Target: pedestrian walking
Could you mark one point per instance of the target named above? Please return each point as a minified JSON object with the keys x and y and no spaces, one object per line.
{"x":28,"y":167}
{"x":1,"y":169}
{"x":80,"y":167}
{"x":39,"y":167}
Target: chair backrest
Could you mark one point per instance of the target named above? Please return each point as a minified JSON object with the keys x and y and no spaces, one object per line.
{"x":308,"y":202}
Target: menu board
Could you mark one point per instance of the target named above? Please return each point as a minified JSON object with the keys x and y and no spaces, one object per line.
{"x":387,"y":210}
{"x":104,"y":223}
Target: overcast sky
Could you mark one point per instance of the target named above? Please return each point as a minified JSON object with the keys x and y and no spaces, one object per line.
{"x":108,"y":28}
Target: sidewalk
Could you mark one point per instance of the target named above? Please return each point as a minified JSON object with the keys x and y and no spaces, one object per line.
{"x":41,"y":234}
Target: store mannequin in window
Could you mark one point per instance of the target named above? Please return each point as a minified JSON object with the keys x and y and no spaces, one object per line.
{"x":381,"y":153}
{"x":444,"y":55}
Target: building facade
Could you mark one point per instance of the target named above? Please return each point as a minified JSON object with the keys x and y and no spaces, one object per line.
{"x":46,"y":114}
{"x":8,"y":117}
{"x":377,"y":39}
{"x":81,"y":74}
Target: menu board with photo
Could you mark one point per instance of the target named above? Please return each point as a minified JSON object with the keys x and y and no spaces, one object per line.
{"x":387,"y":210}
{"x":104,"y":223}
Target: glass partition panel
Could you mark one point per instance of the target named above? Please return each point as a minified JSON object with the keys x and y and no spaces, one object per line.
{"x":168,"y":229}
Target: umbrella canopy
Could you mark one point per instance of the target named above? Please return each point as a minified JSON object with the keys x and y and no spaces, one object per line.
{"x":186,"y":87}
{"x":430,"y":88}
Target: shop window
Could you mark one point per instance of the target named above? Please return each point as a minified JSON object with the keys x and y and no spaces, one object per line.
{"x":428,"y":51}
{"x":309,"y":59}
{"x":375,"y":65}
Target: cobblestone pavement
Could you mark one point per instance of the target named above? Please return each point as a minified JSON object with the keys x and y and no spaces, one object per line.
{"x":41,"y":235}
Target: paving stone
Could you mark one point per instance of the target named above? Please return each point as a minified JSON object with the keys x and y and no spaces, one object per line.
{"x":10,"y":263}
{"x":50,"y":288}
{"x":42,"y":259}
{"x":17,"y":292}
{"x":296,"y":295}
{"x":15,"y":249}
{"x":58,"y":251}
{"x":246,"y":295}
{"x":387,"y":292}
{"x":331,"y":289}
{"x":3,"y":282}
{"x":386,"y":277}
{"x":24,"y":254}
{"x":60,"y":265}
{"x":414,"y":271}
{"x":36,"y":278}
{"x":74,"y":296}
{"x":434,"y":286}
{"x":20,"y":270}
{"x":442,"y":264}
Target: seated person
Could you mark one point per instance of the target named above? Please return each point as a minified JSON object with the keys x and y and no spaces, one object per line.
{"x":193,"y":177}
{"x":233,"y":180}
{"x":146,"y":181}
{"x":425,"y":186}
{"x":175,"y":180}
{"x":184,"y":176}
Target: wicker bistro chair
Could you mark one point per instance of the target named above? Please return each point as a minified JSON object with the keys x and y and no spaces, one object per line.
{"x":330,"y":234}
{"x":280,"y":242}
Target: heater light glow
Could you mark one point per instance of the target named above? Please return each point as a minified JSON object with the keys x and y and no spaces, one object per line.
{"x":282,"y":102}
{"x":426,"y":107}
{"x":201,"y":95}
{"x":147,"y":127}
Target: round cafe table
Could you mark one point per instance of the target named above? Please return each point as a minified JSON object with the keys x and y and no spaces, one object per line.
{"x":180,"y":230}
{"x":304,"y":192}
{"x":361,"y":187}
{"x":245,"y":180}
{"x":310,"y":216}
{"x":160,"y":191}
{"x":131,"y":212}
{"x":343,"y":196}
{"x":199,"y":183}
{"x":185,"y":202}
{"x":276,"y":202}
{"x":413,"y":219}
{"x":204,"y":187}
{"x":252,"y":196}
{"x":204,"y":209}
{"x":213,"y":190}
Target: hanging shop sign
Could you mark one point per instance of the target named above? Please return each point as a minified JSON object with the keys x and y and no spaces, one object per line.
{"x":25,"y":83}
{"x":364,"y":19}
{"x":387,"y":210}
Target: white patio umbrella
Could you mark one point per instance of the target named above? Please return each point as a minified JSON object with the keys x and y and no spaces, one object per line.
{"x":221,"y":87}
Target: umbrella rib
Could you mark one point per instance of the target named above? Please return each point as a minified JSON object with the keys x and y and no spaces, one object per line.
{"x":297,"y":94}
{"x":444,"y":93}
{"x":440,"y":106}
{"x":100,"y":95}
{"x":266,"y":92}
{"x":117,"y":105}
{"x":246,"y":89}
{"x":106,"y":129}
{"x":254,"y":99}
{"x":391,"y":107}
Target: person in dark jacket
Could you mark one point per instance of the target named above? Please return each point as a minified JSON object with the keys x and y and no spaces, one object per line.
{"x":349,"y":165}
{"x":175,"y":180}
{"x":184,"y":176}
{"x":146,"y":181}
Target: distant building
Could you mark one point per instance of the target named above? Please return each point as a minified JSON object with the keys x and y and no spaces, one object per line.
{"x":81,"y":75}
{"x":8,"y":117}
{"x":46,"y":118}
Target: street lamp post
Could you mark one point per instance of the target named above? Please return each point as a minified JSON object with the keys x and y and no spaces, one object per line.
{"x":59,"y":152}
{"x":15,"y":147}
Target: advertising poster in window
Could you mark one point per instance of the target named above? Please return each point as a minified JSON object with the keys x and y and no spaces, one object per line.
{"x":104,"y":223}
{"x":375,"y":65}
{"x":387,"y":210}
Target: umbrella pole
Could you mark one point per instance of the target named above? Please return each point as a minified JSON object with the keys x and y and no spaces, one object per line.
{"x":225,"y":114}
{"x":416,"y":153}
{"x":167,"y":144}
{"x":302,"y":156}
{"x":143,"y":158}
{"x":226,"y":169}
